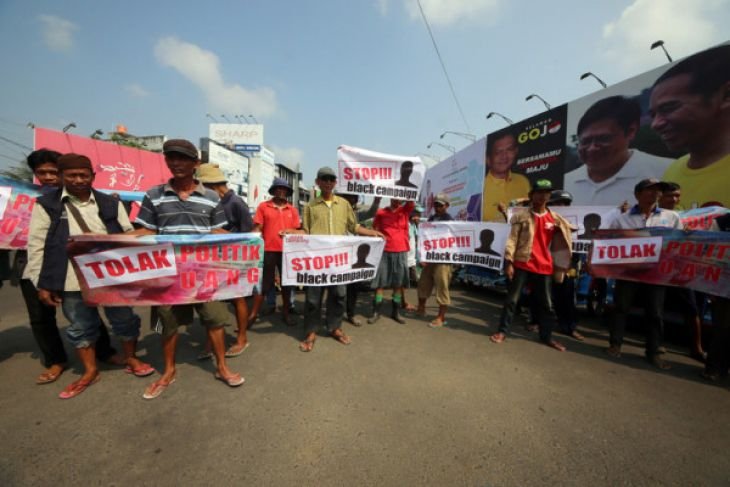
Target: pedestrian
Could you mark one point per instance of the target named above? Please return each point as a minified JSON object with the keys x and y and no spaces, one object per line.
{"x":539,"y":245}
{"x":328,"y":214}
{"x":645,"y":214}
{"x":718,"y":353}
{"x":183,"y":206}
{"x":239,"y":220}
{"x":275,"y":218}
{"x":436,"y":276}
{"x":74,"y":209}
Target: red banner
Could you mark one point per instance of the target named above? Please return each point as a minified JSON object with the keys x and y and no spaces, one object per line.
{"x":117,"y":167}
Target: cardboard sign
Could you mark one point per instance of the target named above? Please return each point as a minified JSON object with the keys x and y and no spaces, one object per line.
{"x":370,"y":173}
{"x":474,"y":243}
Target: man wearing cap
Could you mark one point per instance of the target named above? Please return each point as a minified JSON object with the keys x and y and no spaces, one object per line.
{"x":539,"y":245}
{"x":239,"y":220}
{"x":436,"y":276}
{"x":183,"y":206}
{"x":328,"y":214}
{"x":275,"y":218}
{"x":75,"y":209}
{"x":644,"y":214}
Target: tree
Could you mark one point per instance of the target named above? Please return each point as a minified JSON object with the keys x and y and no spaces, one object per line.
{"x":18,"y":173}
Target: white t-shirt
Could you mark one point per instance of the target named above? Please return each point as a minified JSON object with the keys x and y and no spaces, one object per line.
{"x":618,"y":188}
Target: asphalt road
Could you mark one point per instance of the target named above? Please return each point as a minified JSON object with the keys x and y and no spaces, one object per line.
{"x":403,"y":405}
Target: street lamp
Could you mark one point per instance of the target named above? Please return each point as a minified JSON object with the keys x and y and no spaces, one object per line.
{"x":530,"y":97}
{"x":253,"y":118}
{"x":491,"y":114}
{"x":97,"y":133}
{"x":661,"y":44}
{"x":223,"y":116}
{"x":471,"y":137}
{"x":211,"y":117}
{"x":69,"y":127}
{"x":589,"y":74}
{"x":447,"y":147}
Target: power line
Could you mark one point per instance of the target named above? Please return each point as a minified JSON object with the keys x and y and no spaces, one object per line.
{"x":443,"y":66}
{"x":10,"y":141}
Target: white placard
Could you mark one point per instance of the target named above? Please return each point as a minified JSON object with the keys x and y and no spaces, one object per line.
{"x":5,"y":192}
{"x":627,"y":250}
{"x":468,"y":243}
{"x":361,"y":171}
{"x":128,"y":264}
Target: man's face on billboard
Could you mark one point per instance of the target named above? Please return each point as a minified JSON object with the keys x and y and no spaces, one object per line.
{"x":604,"y":144}
{"x":682,"y":118}
{"x":502,"y":156}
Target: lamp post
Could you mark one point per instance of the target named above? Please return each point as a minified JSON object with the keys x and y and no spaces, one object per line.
{"x":253,"y":118}
{"x":589,"y":74}
{"x":470,"y":137}
{"x":530,"y":97}
{"x":223,"y":116}
{"x":447,"y":147}
{"x":211,"y":117}
{"x":661,"y":44}
{"x":69,"y":127}
{"x":97,"y":134}
{"x":433,"y":158}
{"x":507,"y":120}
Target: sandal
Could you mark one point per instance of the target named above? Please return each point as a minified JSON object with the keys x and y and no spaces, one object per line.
{"x":613,"y":351}
{"x":307,"y":345}
{"x":498,"y":337}
{"x":340,"y":336}
{"x":47,"y":377}
{"x":658,"y":362}
{"x":144,"y":370}
{"x":77,"y":387}
{"x":437,"y":323}
{"x":157,"y":388}
{"x":233,"y":380}
{"x":231,"y":352}
{"x":556,"y":345}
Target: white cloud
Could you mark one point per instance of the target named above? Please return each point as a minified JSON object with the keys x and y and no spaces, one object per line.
{"x":58,"y":33}
{"x":441,"y":13}
{"x":684,"y":26}
{"x":203,"y":69}
{"x":383,"y":7}
{"x":136,"y":90}
{"x":290,"y":156}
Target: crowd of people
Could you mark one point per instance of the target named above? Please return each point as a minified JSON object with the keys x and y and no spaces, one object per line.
{"x":196,"y":200}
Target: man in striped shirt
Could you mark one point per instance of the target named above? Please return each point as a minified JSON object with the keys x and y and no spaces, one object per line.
{"x":183,"y":206}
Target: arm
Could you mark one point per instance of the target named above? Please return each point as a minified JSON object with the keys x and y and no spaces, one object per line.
{"x":39,"y":225}
{"x":366,"y":232}
{"x":370,"y":212}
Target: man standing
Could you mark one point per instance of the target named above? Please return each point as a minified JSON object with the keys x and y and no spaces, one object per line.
{"x":690,"y":109}
{"x":275,"y":218}
{"x":74,"y":209}
{"x":539,"y":245}
{"x":393,"y":269}
{"x":644,"y":214}
{"x":238,"y":218}
{"x":328,"y":214}
{"x":436,"y":276}
{"x":183,"y":206}
{"x":610,"y":168}
{"x":501,"y":185}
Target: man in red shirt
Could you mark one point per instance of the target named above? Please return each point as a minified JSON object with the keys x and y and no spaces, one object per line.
{"x":393,"y":269}
{"x":539,"y":245}
{"x":275,"y":218}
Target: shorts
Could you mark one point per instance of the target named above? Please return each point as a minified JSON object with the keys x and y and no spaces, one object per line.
{"x":213,"y":314}
{"x":392,"y":271}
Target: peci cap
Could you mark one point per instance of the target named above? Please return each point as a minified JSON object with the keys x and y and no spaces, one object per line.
{"x":211,"y":174}
{"x":181,"y":146}
{"x":542,"y":185}
{"x":326,"y":171}
{"x":646,"y":183}
{"x":281,"y":183}
{"x":442,"y":198}
{"x":74,"y":161}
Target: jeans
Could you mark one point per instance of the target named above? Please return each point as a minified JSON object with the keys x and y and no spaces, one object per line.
{"x":718,"y":354}
{"x":564,"y":303}
{"x":45,"y":329}
{"x":313,"y":306}
{"x":83,"y":330}
{"x":652,"y":297}
{"x":541,"y":292}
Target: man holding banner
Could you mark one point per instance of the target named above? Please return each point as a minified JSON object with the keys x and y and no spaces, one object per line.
{"x":184,"y":206}
{"x":644,"y":214}
{"x":328,"y":214}
{"x":74,"y":209}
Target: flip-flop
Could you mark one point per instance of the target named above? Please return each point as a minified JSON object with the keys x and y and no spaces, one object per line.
{"x":230,"y":354}
{"x":556,"y":345}
{"x":498,"y":337}
{"x":306,"y":346}
{"x":77,"y":387}
{"x":143,"y":370}
{"x":47,"y":377}
{"x":234,"y":380}
{"x":341,"y":337}
{"x":437,"y":324}
{"x":156,"y":388}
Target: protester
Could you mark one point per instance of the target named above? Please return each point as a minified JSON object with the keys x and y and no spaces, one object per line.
{"x":718,"y":354}
{"x":75,"y":209}
{"x":538,"y":246}
{"x":328,"y":214}
{"x":353,"y":288}
{"x":275,"y":218}
{"x":501,"y":185}
{"x":690,"y":109}
{"x":393,"y":269}
{"x":239,"y":220}
{"x":436,"y":276}
{"x":644,"y":214}
{"x":610,"y":167}
{"x":183,"y":206}
{"x":413,"y":223}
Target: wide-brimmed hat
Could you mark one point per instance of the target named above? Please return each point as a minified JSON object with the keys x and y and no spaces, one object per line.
{"x":442,"y":198}
{"x":211,"y":174}
{"x":280,"y":183}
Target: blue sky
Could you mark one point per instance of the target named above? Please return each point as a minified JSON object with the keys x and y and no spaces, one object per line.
{"x":323,"y":73}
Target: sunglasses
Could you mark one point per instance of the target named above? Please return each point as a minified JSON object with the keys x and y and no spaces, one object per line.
{"x":438,"y":205}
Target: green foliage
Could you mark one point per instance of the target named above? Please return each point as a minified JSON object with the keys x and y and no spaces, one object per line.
{"x":18,"y":173}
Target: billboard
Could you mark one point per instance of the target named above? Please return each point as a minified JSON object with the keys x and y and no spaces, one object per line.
{"x":261,"y":174}
{"x":671,"y":123}
{"x":237,"y":134}
{"x":233,"y":165}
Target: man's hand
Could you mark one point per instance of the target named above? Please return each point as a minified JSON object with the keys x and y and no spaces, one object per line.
{"x":377,"y":234}
{"x":49,"y":298}
{"x":624,"y":207}
{"x":291,"y":231}
{"x":509,"y":270}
